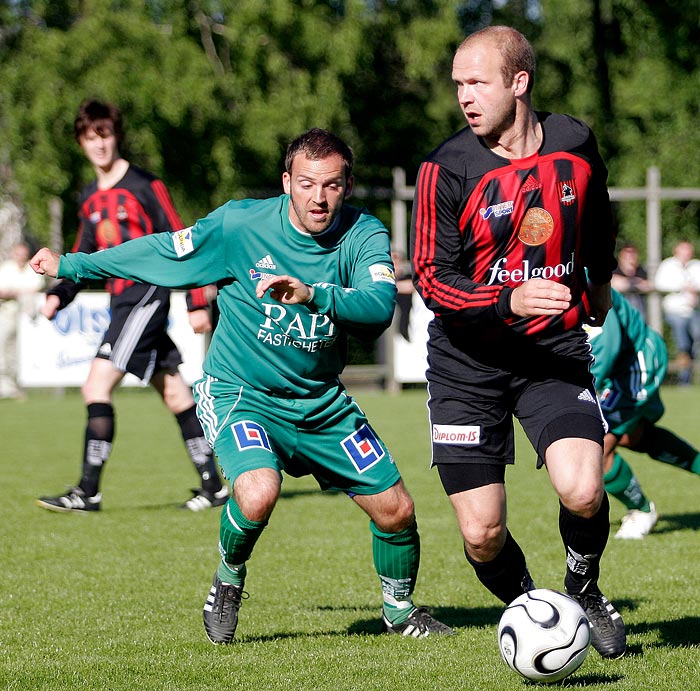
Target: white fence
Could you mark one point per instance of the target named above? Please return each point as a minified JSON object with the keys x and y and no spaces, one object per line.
{"x":404,"y":361}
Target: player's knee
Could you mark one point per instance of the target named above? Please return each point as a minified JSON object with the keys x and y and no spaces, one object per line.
{"x":483,"y":542}
{"x":94,"y":394}
{"x":394,"y":512}
{"x":404,"y":516}
{"x":256,"y":493}
{"x":256,"y":507}
{"x":585,"y":500}
{"x":397,"y":517}
{"x":177,"y":398}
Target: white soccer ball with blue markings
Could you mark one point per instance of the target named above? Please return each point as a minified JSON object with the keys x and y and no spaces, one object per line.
{"x":544,"y":635}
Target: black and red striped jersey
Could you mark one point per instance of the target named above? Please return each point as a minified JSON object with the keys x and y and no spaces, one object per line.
{"x":482,"y":224}
{"x":139,"y":204}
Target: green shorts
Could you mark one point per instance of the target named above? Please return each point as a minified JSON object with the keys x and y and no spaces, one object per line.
{"x":624,"y":413}
{"x":327,"y":436}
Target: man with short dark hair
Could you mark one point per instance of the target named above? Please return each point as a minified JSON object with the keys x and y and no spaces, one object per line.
{"x":297,"y":273}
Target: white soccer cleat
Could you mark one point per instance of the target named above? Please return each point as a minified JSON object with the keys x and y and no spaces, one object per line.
{"x":637,"y":524}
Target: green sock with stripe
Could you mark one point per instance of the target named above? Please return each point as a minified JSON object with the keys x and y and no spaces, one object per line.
{"x":237,"y":537}
{"x":396,"y":559}
{"x":621,"y":482}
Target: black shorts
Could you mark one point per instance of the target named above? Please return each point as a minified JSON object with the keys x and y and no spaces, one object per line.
{"x":136,"y":340}
{"x":472,"y":412}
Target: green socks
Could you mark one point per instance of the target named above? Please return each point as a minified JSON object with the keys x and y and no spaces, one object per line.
{"x":230,"y":573}
{"x":396,"y":558}
{"x":237,"y":537}
{"x":621,"y":482}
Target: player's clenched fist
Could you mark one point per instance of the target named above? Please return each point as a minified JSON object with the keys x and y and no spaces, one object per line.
{"x":540,"y":296}
{"x":45,"y":262}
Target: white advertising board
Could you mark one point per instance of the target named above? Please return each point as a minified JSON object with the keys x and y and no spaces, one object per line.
{"x":411,"y":356}
{"x":59,"y":352}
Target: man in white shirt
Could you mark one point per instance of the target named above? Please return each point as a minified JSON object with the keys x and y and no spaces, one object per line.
{"x":679,"y":277}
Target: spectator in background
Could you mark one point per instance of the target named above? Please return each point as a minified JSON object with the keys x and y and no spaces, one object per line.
{"x":630,"y":278}
{"x":679,"y":277}
{"x":18,"y":286}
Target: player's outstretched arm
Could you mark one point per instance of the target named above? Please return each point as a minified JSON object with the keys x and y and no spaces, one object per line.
{"x":45,"y":262}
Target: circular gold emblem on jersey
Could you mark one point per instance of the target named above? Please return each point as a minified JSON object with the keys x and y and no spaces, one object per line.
{"x":106,"y":232}
{"x":536,"y":227}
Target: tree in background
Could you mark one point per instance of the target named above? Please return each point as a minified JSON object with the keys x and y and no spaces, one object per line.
{"x":213,"y":89}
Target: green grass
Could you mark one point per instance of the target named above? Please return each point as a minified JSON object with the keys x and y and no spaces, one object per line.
{"x":113,"y":601}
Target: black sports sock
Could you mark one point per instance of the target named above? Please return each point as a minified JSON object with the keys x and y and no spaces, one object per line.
{"x":584,"y":540}
{"x":506,"y":576}
{"x":667,"y":447}
{"x":199,"y":450}
{"x":99,"y":434}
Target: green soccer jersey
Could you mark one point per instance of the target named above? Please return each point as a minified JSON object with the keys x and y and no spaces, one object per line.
{"x":630,"y":357}
{"x":289,"y":350}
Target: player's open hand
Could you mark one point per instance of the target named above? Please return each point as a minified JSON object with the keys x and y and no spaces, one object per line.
{"x":540,"y":296}
{"x":45,"y":262}
{"x":285,"y":289}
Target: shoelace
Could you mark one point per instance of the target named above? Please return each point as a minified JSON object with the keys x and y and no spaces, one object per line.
{"x":597,"y":613}
{"x":230,"y":599}
{"x":422,"y":618}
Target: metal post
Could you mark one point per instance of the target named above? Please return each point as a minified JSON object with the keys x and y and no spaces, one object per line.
{"x":653,"y":204}
{"x":399,"y":216}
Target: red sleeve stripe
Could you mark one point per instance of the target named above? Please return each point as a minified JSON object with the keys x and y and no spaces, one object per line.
{"x":166,"y":202}
{"x":424,"y":251}
{"x":198,"y":299}
{"x":425,"y":215}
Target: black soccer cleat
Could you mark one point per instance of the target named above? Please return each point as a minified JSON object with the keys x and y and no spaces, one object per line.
{"x":74,"y":500}
{"x":527,"y":584}
{"x":420,"y":624}
{"x":607,"y":628}
{"x":202,"y":499}
{"x":221,"y":611}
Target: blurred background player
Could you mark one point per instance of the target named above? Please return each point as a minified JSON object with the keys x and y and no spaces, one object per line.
{"x":125,"y":202}
{"x":18,"y":286}
{"x":629,"y":368}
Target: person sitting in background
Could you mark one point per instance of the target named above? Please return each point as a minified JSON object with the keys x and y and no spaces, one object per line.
{"x":679,"y":277}
{"x":629,"y":368}
{"x":630,"y":278}
{"x":18,"y":285}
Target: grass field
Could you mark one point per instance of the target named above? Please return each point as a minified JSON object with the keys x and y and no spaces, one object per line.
{"x":113,"y":601}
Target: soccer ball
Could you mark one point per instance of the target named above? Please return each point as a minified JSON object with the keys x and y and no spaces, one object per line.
{"x":544,"y":635}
